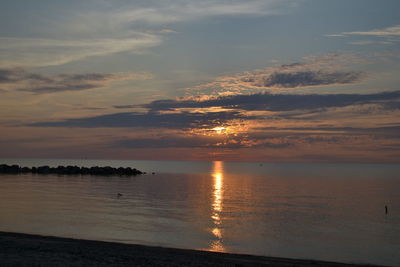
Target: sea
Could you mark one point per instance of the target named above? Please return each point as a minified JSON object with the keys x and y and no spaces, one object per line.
{"x":322,"y":211}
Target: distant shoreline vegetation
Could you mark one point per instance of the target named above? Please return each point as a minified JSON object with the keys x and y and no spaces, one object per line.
{"x":70,"y":170}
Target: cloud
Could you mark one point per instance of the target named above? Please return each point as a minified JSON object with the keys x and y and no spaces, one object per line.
{"x":181,"y":121}
{"x":108,"y":28}
{"x":193,"y":123}
{"x":275,"y":102}
{"x":180,"y":10}
{"x":22,"y":80}
{"x":125,"y":106}
{"x":361,"y":42}
{"x":232,"y":142}
{"x":60,"y":88}
{"x":393,"y":131}
{"x":393,"y":105}
{"x":15,"y":75}
{"x":269,"y":137}
{"x":303,"y":79}
{"x":165,"y":142}
{"x":31,"y":52}
{"x":385,"y":32}
{"x":388,"y":34}
{"x":325,"y":70}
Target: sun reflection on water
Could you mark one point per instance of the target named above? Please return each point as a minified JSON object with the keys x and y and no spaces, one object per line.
{"x":217,"y":205}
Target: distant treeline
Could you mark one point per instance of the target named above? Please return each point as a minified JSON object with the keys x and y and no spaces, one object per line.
{"x":69,"y":170}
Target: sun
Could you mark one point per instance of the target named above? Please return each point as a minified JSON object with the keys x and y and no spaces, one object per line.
{"x":219,"y":130}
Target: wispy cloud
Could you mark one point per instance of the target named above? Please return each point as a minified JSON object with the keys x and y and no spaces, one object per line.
{"x":31,"y":52}
{"x":361,"y":42}
{"x":385,"y":32}
{"x":22,"y":80}
{"x":115,"y":27}
{"x":387,"y":35}
{"x":179,"y":10}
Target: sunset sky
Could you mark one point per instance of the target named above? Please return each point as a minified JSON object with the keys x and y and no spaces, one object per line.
{"x":239,"y":80}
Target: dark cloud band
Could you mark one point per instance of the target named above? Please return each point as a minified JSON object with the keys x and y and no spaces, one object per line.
{"x":148,"y":120}
{"x":276,"y":102}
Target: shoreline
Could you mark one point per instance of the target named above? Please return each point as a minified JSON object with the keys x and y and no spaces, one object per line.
{"x":36,"y":250}
{"x":69,"y":170}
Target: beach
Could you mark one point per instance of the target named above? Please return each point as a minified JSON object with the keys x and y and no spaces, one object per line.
{"x":35,"y":250}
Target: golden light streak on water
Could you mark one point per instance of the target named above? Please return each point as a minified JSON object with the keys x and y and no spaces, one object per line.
{"x":217,"y":205}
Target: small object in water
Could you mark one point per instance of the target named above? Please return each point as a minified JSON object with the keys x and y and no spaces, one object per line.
{"x":119,"y":195}
{"x":386,"y":209}
{"x":153,"y":173}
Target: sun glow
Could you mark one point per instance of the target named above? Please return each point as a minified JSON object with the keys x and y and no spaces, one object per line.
{"x":219,"y":130}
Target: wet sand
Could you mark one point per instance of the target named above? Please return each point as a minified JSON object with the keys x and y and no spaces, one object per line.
{"x":34,"y":250}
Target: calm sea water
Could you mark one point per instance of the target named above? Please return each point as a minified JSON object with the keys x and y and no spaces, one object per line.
{"x":314,"y":211}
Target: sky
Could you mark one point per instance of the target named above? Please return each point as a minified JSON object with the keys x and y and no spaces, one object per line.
{"x":234,"y":80}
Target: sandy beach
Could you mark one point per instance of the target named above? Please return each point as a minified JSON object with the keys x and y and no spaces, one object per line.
{"x":34,"y":250}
